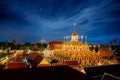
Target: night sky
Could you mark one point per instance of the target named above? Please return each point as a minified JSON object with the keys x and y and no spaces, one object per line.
{"x":30,"y":20}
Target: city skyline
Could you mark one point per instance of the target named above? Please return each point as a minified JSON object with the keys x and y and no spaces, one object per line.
{"x":29,"y":21}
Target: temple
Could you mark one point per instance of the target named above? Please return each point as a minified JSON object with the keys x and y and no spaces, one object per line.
{"x":74,"y":50}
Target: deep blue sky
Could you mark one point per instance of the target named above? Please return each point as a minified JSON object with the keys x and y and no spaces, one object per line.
{"x":29,"y":20}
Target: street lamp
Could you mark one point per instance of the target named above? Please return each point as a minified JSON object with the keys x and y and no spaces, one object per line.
{"x":81,"y":37}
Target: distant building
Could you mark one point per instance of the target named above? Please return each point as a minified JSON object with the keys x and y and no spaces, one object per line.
{"x":42,"y":40}
{"x":113,"y":42}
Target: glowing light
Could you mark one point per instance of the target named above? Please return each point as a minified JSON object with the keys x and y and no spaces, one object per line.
{"x":67,"y":37}
{"x":82,"y":36}
{"x":74,"y":24}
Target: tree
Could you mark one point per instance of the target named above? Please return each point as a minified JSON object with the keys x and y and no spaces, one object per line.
{"x":43,"y":46}
{"x":26,"y":46}
{"x":35,"y":47}
{"x":12,"y":46}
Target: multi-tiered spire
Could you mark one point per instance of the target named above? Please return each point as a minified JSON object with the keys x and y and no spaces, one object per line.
{"x":74,"y":36}
{"x":42,"y":40}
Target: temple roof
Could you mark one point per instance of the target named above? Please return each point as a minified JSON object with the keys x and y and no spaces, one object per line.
{"x":74,"y":43}
{"x":55,"y":42}
{"x":105,"y":53}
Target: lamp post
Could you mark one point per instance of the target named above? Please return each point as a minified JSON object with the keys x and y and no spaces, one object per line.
{"x":98,"y":48}
{"x":64,"y":39}
{"x":81,"y":37}
{"x":85,"y":38}
{"x":94,"y":46}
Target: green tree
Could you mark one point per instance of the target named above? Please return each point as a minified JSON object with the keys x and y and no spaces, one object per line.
{"x":26,"y":46}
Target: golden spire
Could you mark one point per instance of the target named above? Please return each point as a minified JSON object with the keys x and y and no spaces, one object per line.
{"x":74,"y":36}
{"x":74,"y":32}
{"x":42,"y":40}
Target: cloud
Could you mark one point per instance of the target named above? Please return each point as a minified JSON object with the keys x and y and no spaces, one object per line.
{"x":37,"y":18}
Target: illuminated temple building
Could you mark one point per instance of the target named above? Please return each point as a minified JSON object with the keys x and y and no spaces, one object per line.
{"x":75,"y":50}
